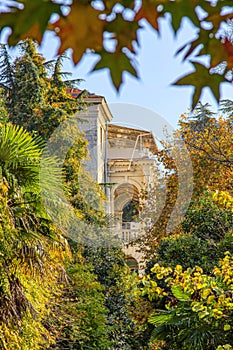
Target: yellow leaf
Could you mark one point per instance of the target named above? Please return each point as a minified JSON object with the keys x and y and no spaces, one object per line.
{"x":227,"y":327}
{"x":210,"y":299}
{"x":80,"y":30}
{"x":34,"y":32}
{"x":206,"y":292}
{"x":178,"y":269}
{"x":149,"y":11}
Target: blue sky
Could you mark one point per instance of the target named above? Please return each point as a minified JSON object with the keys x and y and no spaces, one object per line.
{"x":158,"y":67}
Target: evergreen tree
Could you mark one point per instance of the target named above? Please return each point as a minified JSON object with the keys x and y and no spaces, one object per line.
{"x":36,"y":97}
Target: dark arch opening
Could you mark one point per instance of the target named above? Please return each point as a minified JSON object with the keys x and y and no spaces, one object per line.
{"x":130,"y":211}
{"x":132,"y":264}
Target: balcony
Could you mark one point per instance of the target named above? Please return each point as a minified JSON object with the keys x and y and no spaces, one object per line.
{"x":129,"y":232}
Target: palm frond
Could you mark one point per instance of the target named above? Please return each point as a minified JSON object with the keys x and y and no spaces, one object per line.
{"x":226,"y":106}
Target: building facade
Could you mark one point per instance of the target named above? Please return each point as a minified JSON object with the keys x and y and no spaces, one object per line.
{"x":121,"y":160}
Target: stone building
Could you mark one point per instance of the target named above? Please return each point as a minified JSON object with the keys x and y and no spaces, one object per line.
{"x":122,"y":161}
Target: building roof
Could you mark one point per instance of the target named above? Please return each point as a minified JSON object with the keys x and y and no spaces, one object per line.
{"x":122,"y":135}
{"x":77,"y":92}
{"x":119,"y":135}
{"x":92,"y":100}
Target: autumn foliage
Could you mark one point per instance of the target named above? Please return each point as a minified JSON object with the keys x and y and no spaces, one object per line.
{"x":109,"y":30}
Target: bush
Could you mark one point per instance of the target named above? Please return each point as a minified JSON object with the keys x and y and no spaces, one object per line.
{"x":206,"y":220}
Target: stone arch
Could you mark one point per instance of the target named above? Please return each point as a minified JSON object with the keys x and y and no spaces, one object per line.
{"x":130,"y":181}
{"x":124,"y":193}
{"x":132,"y":263}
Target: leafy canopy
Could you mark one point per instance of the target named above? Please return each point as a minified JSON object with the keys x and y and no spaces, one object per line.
{"x":110,"y":29}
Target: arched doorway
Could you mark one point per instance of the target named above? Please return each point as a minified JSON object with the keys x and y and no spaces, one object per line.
{"x":132,"y":264}
{"x":125,"y":195}
{"x":130,"y":211}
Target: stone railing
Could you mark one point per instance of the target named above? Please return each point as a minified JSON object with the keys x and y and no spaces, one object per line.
{"x":127,"y":236}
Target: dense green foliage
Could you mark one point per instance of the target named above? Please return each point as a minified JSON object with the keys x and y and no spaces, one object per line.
{"x":124,"y":330}
{"x":205,"y":236}
{"x":52,"y":295}
{"x":206,"y":220}
{"x":189,"y":279}
{"x":78,"y":317}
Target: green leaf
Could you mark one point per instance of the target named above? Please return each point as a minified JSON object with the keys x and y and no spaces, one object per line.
{"x":109,"y":5}
{"x":35,"y":14}
{"x":125,"y":32}
{"x":203,"y":314}
{"x":117,"y":63}
{"x":180,"y":9}
{"x":227,"y":327}
{"x":200,"y":79}
{"x":215,"y":11}
{"x":161,"y":318}
{"x":179,"y":294}
{"x":200,"y":43}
